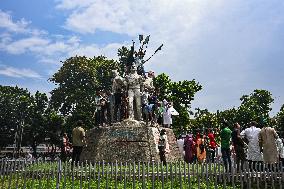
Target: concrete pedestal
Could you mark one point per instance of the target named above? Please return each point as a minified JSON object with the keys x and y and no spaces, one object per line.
{"x":129,"y":140}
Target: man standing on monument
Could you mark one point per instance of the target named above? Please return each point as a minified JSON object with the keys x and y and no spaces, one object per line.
{"x":78,"y":136}
{"x":162,"y":146}
{"x":117,"y":91}
{"x":134,"y":93}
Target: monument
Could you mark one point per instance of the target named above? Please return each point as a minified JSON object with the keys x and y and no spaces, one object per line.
{"x":129,"y":137}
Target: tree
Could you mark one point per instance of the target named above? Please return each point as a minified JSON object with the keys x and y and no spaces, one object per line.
{"x":181,"y":93}
{"x":203,"y":119}
{"x":280,"y":120}
{"x":35,"y":126}
{"x":23,"y":117}
{"x":255,"y":107}
{"x":15,"y":108}
{"x":78,"y":80}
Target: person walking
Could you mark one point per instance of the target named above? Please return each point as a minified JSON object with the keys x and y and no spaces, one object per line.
{"x":254,"y":156}
{"x":225,"y":136}
{"x":79,"y":140}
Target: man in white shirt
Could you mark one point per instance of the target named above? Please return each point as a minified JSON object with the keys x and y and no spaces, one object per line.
{"x":251,"y":135}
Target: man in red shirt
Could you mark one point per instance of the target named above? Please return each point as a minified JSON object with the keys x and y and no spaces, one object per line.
{"x":212,"y":145}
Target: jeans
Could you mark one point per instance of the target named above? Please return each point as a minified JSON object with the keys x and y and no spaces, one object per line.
{"x":226,"y":155}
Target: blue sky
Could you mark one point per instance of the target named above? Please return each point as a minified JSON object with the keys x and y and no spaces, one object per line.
{"x":230,"y":47}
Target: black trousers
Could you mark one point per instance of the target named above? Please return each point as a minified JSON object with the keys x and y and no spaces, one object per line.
{"x":77,"y":150}
{"x":162,"y":154}
{"x":226,"y":155}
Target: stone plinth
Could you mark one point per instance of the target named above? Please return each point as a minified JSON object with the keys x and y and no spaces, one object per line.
{"x":128,"y":140}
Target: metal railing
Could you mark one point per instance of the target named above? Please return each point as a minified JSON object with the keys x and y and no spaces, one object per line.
{"x":42,"y":174}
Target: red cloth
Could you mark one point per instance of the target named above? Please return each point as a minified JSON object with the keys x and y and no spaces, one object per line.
{"x":212,"y":142}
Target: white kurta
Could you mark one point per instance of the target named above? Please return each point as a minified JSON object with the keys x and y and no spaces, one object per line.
{"x":167,"y":117}
{"x":280,"y":147}
{"x":253,"y":152}
{"x":180,"y":143}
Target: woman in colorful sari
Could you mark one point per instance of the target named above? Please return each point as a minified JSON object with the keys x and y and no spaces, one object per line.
{"x":200,"y":151}
{"x":188,"y":148}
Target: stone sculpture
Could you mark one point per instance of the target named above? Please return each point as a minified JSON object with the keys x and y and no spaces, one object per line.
{"x":134,"y":82}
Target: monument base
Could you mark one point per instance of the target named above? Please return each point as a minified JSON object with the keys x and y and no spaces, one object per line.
{"x":129,"y":140}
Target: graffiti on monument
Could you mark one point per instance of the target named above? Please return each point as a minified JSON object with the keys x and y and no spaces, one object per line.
{"x":123,"y":135}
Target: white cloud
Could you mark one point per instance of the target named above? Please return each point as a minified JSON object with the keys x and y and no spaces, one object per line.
{"x":72,"y":4}
{"x":7,"y":23}
{"x":109,"y":50}
{"x":24,"y":45}
{"x":18,"y":73}
{"x":225,"y":45}
{"x":228,"y":46}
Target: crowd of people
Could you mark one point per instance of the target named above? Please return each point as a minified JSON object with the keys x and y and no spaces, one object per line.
{"x":258,"y":144}
{"x":113,"y":108}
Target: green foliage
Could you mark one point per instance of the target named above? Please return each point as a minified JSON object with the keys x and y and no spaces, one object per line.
{"x":78,"y":80}
{"x":280,"y":120}
{"x":15,"y":108}
{"x":255,"y":107}
{"x":122,"y":53}
{"x":181,"y":93}
{"x":204,"y":119}
{"x":24,"y":117}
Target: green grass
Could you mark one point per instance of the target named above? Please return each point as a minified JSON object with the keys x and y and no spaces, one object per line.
{"x":68,"y":183}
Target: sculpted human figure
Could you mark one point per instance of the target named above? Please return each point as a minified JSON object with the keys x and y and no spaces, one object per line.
{"x":117,"y":91}
{"x":134,"y":82}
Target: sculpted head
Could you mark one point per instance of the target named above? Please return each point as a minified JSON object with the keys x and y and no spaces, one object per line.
{"x":133,"y":69}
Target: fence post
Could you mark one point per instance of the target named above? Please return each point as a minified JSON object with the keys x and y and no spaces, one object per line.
{"x":189,"y":182}
{"x":125,"y":178}
{"x":59,"y":169}
{"x":180,"y":175}
{"x":99,"y":175}
{"x":134,"y":172}
{"x":107,"y":174}
{"x":162,"y":174}
{"x":171,"y":174}
{"x":115,"y":183}
{"x":215,"y":174}
{"x":139,"y":172}
{"x":153,"y":175}
{"x":65,"y":174}
{"x":143,"y":175}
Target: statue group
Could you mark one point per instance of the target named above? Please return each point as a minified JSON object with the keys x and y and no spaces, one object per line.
{"x":134,"y":110}
{"x":133,"y":95}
